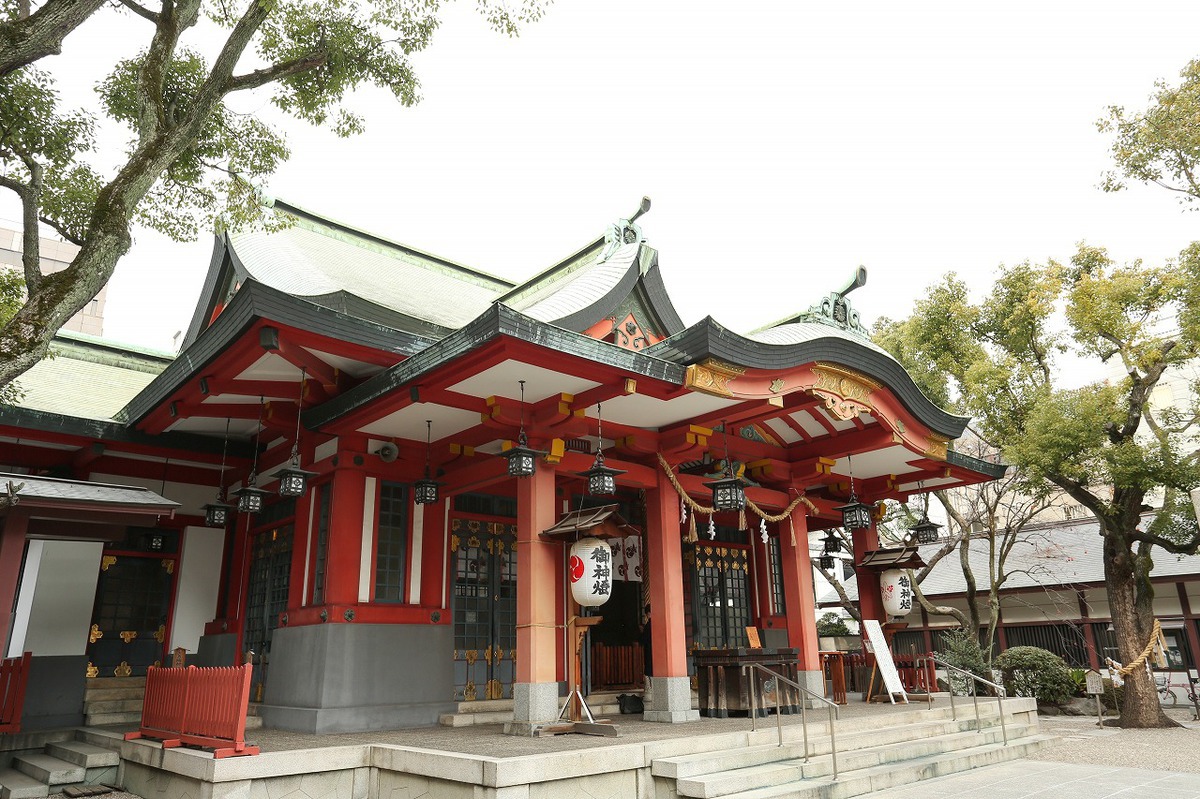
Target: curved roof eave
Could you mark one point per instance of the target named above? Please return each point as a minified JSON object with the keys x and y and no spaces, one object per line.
{"x":709,"y":339}
{"x":254,"y":301}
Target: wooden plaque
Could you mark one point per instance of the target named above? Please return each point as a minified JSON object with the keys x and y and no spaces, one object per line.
{"x":752,"y":634}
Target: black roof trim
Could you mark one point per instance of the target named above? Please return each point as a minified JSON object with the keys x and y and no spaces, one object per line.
{"x":499,"y":320}
{"x":656,"y":293}
{"x":217,"y":268}
{"x":603,"y":307}
{"x":993,"y":470}
{"x":709,"y":339}
{"x":257,"y":301}
{"x":46,"y":422}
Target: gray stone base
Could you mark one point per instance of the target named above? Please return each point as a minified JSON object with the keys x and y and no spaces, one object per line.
{"x":815,"y":682}
{"x":54,"y":694}
{"x":358,"y":677}
{"x":670,"y":701}
{"x":534,"y":704}
{"x":217,"y":650}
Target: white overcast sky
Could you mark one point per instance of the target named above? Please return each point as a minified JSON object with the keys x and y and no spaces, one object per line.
{"x":782,"y":144}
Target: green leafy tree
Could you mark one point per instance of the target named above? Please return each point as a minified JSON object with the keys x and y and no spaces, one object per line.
{"x":831,"y":624}
{"x":1104,"y":444}
{"x":1160,"y":145}
{"x":191,"y":162}
{"x":12,"y":294}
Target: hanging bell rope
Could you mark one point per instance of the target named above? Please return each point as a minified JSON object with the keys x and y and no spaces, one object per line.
{"x":757,"y":511}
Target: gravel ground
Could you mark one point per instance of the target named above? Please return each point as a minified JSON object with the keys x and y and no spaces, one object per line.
{"x":1082,"y":742}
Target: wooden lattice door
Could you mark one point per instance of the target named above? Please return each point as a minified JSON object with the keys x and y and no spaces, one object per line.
{"x":129,"y":617}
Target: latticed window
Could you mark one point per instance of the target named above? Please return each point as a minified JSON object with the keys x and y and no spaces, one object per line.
{"x":391,"y":543}
{"x":324,"y":497}
{"x":775,"y":563}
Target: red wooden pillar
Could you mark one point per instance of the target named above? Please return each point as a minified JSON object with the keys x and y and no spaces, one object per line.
{"x":537,"y":562}
{"x":798,"y":590}
{"x":344,"y":550}
{"x":870,"y":601}
{"x":12,"y":552}
{"x":434,"y":560}
{"x":665,"y":549}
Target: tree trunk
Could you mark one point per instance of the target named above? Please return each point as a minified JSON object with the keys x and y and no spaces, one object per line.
{"x":1133,"y":621}
{"x":34,"y":36}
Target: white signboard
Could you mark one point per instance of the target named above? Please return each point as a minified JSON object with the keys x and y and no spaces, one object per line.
{"x":1095,"y":683}
{"x":883,"y":661}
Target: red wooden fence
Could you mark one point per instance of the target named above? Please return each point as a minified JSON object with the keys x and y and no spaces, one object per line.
{"x":198,"y":706}
{"x":14,"y":676}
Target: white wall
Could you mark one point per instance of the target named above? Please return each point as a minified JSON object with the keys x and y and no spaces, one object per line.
{"x":60,"y":610}
{"x":196,"y":591}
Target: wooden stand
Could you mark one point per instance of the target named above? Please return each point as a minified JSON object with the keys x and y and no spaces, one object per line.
{"x":576,"y":707}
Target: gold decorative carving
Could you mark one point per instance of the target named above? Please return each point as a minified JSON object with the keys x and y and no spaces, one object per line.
{"x":469,"y":693}
{"x":846,"y":393}
{"x":473,"y":541}
{"x":169,"y":565}
{"x":95,"y":634}
{"x":487,"y":655}
{"x":92,"y":670}
{"x":472,"y":656}
{"x":494,"y":690}
{"x":454,"y":542}
{"x":711,"y":376}
{"x":123,"y":670}
{"x":937,"y":447}
{"x":777,"y":385}
{"x":128,"y":635}
{"x":160,"y":633}
{"x":107,"y":561}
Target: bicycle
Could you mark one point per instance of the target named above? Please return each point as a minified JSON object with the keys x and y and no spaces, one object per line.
{"x":1167,"y":695}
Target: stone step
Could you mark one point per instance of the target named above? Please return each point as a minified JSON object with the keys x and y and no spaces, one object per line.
{"x":97,"y":683}
{"x":254,"y":722}
{"x":470,"y":719}
{"x":103,"y":719}
{"x":17,"y":785}
{"x":768,"y":774}
{"x":878,"y":778}
{"x":49,"y":769}
{"x":700,"y":763}
{"x":92,"y":708}
{"x":83,"y":754}
{"x":109,"y":694}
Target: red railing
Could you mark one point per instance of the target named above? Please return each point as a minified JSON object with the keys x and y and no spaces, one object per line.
{"x":14,"y":676}
{"x":198,"y":706}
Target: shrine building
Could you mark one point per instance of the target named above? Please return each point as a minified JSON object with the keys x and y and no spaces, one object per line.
{"x":346,"y":473}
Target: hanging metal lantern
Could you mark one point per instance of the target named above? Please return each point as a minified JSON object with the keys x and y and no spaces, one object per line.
{"x":728,"y":493}
{"x":832,"y":544}
{"x":896,"y":587}
{"x":522,"y":461}
{"x":602,"y":480}
{"x":927,"y":532}
{"x":250,"y":498}
{"x":855,"y":515}
{"x":425,"y":490}
{"x":827,"y":562}
{"x":216,"y":514}
{"x":293,"y":481}
{"x":590,"y":572}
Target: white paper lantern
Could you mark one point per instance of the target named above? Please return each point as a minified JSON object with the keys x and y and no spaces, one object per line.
{"x":590,"y":571}
{"x":896,"y":587}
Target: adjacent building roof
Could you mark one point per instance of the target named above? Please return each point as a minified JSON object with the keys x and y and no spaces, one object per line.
{"x":1060,"y":554}
{"x":41,"y":491}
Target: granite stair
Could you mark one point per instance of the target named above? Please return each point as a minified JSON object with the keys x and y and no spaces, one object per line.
{"x":61,"y":765}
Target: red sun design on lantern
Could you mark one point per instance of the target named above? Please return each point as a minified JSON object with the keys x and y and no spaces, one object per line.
{"x":576,"y":567}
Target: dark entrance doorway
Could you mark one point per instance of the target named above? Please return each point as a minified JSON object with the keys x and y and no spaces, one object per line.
{"x":133,"y":602}
{"x":266,"y":597}
{"x":484,"y":604}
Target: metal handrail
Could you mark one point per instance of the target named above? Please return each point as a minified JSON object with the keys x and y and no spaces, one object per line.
{"x":975,"y":696}
{"x":833,"y":710}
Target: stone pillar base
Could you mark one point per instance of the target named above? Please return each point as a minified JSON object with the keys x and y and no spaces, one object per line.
{"x":670,"y":701}
{"x":535,"y":704}
{"x":815,"y":682}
